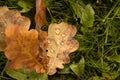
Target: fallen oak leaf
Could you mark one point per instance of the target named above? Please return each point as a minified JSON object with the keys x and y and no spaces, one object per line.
{"x":43,"y":44}
{"x":2,"y":28}
{"x":22,"y":49}
{"x":40,"y":20}
{"x":3,"y":10}
{"x":60,"y":44}
{"x":40,"y":16}
{"x":10,"y":17}
{"x":2,"y":36}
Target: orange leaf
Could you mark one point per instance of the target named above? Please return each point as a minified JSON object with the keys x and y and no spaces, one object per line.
{"x":2,"y":28}
{"x":43,"y":44}
{"x":40,"y":16}
{"x":40,"y":19}
{"x":23,"y":50}
{"x":10,"y":17}
{"x":61,"y":44}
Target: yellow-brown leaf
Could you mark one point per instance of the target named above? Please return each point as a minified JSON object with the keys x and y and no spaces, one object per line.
{"x":61,"y":44}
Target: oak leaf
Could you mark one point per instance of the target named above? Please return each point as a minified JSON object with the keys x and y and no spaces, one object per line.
{"x":10,"y":17}
{"x":22,"y":49}
{"x":2,"y":28}
{"x":2,"y":36}
{"x":43,"y":44}
{"x":40,"y":16}
{"x":40,"y":20}
{"x":60,"y":44}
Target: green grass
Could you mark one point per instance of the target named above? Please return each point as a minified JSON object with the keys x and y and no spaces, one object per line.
{"x":99,"y":44}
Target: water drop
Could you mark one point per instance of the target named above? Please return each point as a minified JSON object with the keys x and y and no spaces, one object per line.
{"x":58,"y":43}
{"x":63,"y":35}
{"x":52,"y":50}
{"x":62,"y":43}
{"x":48,"y":41}
{"x":57,"y":31}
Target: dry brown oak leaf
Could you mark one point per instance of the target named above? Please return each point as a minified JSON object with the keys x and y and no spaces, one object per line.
{"x":40,"y":16}
{"x":2,"y":28}
{"x":10,"y":17}
{"x":13,"y":17}
{"x":60,"y":44}
{"x":40,"y":20}
{"x":23,"y":50}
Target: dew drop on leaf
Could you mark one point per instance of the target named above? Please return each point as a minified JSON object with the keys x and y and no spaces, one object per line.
{"x":62,"y":43}
{"x":57,"y":31}
{"x":58,"y":43}
{"x":52,"y":50}
{"x":49,"y":41}
{"x":63,"y":35}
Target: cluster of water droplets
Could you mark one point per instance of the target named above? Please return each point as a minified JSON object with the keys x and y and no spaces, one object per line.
{"x":57,"y":32}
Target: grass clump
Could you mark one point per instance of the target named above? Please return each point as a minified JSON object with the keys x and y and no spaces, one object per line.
{"x":98,"y":56}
